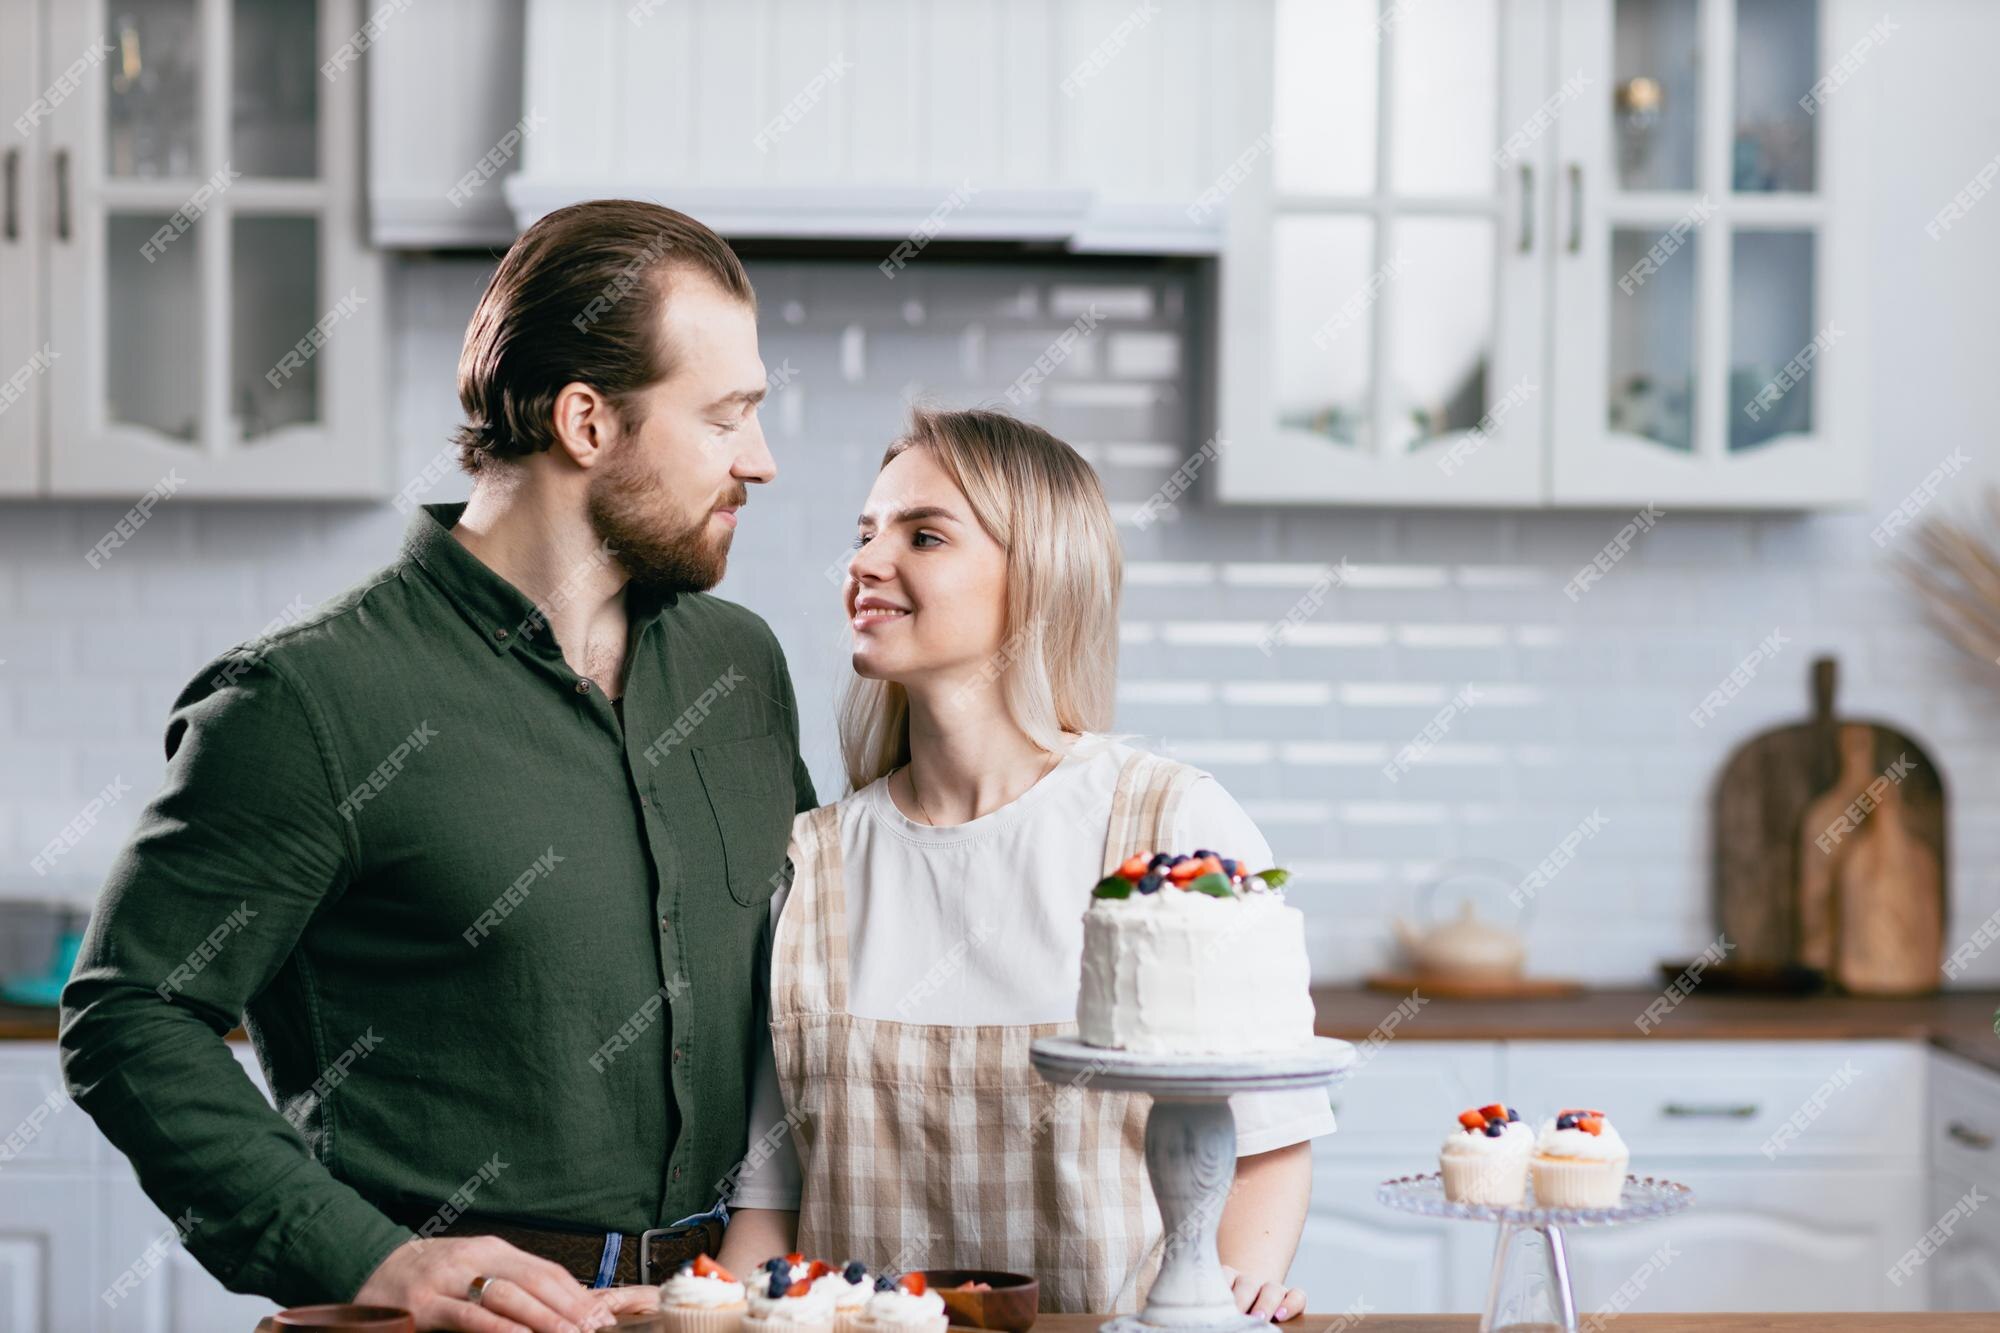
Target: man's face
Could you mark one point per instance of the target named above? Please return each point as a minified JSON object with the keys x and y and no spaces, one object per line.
{"x":666,"y":496}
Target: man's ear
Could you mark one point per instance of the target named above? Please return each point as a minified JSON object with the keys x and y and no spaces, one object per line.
{"x":585,"y":424}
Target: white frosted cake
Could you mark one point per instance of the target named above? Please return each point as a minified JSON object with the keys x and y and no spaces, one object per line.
{"x":1193,"y":955}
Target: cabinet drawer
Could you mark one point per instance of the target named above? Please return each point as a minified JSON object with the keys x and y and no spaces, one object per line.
{"x":1402,"y":1099}
{"x":39,"y":1124}
{"x":1965,"y":1121}
{"x":1773,"y":1101}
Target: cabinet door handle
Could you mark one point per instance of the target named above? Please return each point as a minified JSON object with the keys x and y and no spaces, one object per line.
{"x":1575,"y":208}
{"x":1527,"y":208}
{"x":1735,"y":1111}
{"x":11,"y":223}
{"x":1970,"y":1137}
{"x":62,"y":194}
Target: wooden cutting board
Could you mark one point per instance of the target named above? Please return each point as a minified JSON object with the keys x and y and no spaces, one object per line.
{"x":1829,"y":850}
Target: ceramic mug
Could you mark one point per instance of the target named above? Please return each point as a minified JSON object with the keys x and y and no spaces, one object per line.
{"x":340,"y":1319}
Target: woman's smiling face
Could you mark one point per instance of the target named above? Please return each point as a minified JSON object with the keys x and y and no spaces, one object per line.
{"x":926,"y":592}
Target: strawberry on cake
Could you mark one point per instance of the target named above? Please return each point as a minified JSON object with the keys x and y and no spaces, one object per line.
{"x":1193,"y":954}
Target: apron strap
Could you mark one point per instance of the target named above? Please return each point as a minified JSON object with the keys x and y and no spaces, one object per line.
{"x":1145,"y":806}
{"x":809,"y":951}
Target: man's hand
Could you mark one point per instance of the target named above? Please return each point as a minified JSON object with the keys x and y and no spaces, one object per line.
{"x":429,"y":1278}
{"x":1266,"y":1300}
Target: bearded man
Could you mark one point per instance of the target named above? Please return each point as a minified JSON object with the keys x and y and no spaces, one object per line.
{"x":480,"y":852}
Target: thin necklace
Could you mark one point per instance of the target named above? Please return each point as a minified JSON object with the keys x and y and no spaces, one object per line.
{"x":910,"y":776}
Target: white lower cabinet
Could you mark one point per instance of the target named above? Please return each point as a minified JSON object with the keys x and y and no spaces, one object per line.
{"x":1963,"y":1258}
{"x":82,"y":1250}
{"x":1355,"y":1250}
{"x":1781,"y":1239}
{"x":46,"y":1265}
{"x":1808,"y":1162}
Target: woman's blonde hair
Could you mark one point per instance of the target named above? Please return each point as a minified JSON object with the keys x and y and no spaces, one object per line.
{"x":1058,"y":662}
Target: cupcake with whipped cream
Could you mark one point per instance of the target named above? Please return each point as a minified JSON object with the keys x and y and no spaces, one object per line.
{"x":703,"y":1297}
{"x":1579,"y":1161}
{"x":851,"y":1288}
{"x":903,"y":1305}
{"x":1485,"y":1160}
{"x":784,"y":1297}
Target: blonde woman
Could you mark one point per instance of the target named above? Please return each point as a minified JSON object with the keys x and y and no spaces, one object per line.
{"x":932,"y":927}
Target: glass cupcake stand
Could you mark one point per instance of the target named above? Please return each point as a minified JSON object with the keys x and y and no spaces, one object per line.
{"x":1529,"y":1290}
{"x":1190,"y":1156}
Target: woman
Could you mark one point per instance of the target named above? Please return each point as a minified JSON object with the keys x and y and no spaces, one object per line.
{"x":933,"y":924}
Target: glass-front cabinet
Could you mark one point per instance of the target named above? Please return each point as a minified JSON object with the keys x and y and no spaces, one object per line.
{"x":1523,"y":253}
{"x":1382,"y":285}
{"x":23,"y":361}
{"x":1707,"y":349}
{"x":217,"y":317}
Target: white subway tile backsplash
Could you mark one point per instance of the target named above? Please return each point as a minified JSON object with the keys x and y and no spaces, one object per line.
{"x":1582,"y":702}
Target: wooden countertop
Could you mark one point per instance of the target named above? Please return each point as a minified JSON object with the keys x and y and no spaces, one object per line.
{"x":1957,"y":1021}
{"x":1624,"y":1323}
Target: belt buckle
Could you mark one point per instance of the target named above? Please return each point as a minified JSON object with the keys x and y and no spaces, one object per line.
{"x":646,"y":1253}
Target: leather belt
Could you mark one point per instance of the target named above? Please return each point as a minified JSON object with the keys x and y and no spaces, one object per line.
{"x":647,"y":1258}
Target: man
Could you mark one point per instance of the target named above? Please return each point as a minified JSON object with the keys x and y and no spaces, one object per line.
{"x":479,"y":852}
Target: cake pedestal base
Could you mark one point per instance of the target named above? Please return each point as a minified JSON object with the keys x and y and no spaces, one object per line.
{"x":1190,"y":1157}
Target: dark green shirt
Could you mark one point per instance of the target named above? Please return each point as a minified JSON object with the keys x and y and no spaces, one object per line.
{"x":494,"y":944}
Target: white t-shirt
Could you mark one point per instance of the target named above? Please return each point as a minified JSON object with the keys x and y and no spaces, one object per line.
{"x":1014,"y":882}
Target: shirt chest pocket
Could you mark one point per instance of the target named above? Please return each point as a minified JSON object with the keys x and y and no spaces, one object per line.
{"x":749,"y":787}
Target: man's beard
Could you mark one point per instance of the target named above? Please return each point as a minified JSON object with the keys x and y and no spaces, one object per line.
{"x":632,"y":513}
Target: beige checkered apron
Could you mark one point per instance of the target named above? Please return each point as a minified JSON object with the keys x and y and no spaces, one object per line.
{"x":940,"y":1147}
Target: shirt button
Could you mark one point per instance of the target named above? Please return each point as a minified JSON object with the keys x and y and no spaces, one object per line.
{"x":677,"y":1055}
{"x":500,"y":634}
{"x":645,"y":803}
{"x":663,"y":923}
{"x":677,"y":1173}
{"x":583,"y":687}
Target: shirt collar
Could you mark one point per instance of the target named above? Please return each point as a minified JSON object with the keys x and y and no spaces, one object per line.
{"x":503,"y":614}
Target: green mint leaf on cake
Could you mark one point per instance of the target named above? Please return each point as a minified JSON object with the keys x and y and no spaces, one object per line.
{"x":1215,"y":886}
{"x":1112,"y":886}
{"x":1273,"y":878}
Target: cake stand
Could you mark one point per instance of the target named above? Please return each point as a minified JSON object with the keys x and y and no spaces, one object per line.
{"x":1529,"y":1289}
{"x":1190,"y":1156}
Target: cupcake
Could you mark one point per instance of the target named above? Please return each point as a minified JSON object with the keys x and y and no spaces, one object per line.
{"x":850,"y":1286}
{"x":1485,"y":1159}
{"x":783,"y":1298}
{"x":1579,"y":1162}
{"x":703,"y":1297}
{"x":904,"y":1305}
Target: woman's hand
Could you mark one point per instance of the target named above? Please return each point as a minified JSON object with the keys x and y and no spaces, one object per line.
{"x":1266,"y":1300}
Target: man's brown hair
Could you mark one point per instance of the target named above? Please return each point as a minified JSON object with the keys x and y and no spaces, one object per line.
{"x":578,"y":298}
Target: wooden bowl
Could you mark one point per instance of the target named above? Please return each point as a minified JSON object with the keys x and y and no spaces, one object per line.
{"x":1009,"y":1307}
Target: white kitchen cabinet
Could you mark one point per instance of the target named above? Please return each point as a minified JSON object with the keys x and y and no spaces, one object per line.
{"x":22,"y":360}
{"x":1769,"y":1239}
{"x":1432,"y":289}
{"x":1964,"y":1272}
{"x":1352,"y":1247}
{"x":1701,"y":256}
{"x":1809,"y":1182}
{"x":1096,"y":124}
{"x":428,"y":189}
{"x":47,"y":1226}
{"x":216,"y":320}
{"x":1383,"y":284}
{"x":73,"y":1220}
